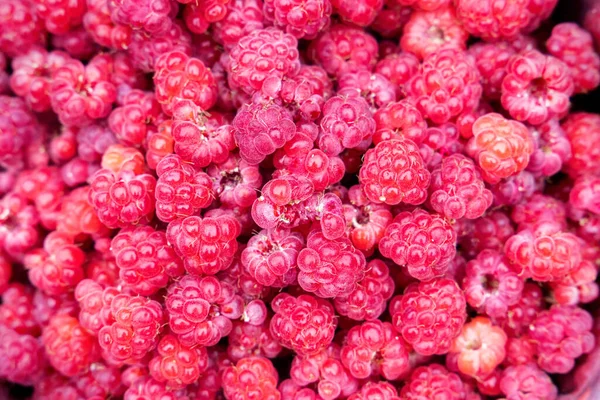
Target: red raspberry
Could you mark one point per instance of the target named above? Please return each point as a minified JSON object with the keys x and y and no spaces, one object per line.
{"x":181,"y":191}
{"x":102,"y":381}
{"x":17,"y":308}
{"x":235,"y":181}
{"x":578,"y":287}
{"x":305,"y":93}
{"x":70,"y":349}
{"x":145,"y":50}
{"x":260,"y":129}
{"x":362,"y":14}
{"x":246,"y":340}
{"x":398,"y":68}
{"x":5,"y":273}
{"x":491,"y":60}
{"x":19,"y":129}
{"x":94,"y":303}
{"x":303,"y":19}
{"x":344,"y":49}
{"x":152,"y":16}
{"x":540,"y":10}
{"x":562,"y":334}
{"x":139,"y":113}
{"x":19,"y":220}
{"x":77,"y":216}
{"x":60,"y":16}
{"x":147,"y":387}
{"x":373,"y":87}
{"x":207,"y":245}
{"x":305,"y":324}
{"x":457,"y":190}
{"x":423,"y":243}
{"x":63,"y":146}
{"x":543,"y":252}
{"x":134,"y":331}
{"x":201,"y":309}
{"x":104,"y":31}
{"x":427,"y":32}
{"x":78,"y":43}
{"x":446,"y":85}
{"x":22,"y":358}
{"x":440,"y":142}
{"x":539,"y":208}
{"x":399,"y":120}
{"x":501,"y":147}
{"x":521,"y":315}
{"x":122,"y":199}
{"x":176,"y":364}
{"x":552,"y":149}
{"x":429,"y":315}
{"x":376,"y":391}
{"x":582,"y":129}
{"x":118,"y":158}
{"x":251,"y":375}
{"x":390,"y":21}
{"x":585,"y":194}
{"x":536,"y":87}
{"x":346,"y":122}
{"x":243,"y":17}
{"x":527,"y":381}
{"x":94,"y":141}
{"x":433,"y":381}
{"x":179,"y":76}
{"x":159,"y":143}
{"x":57,"y":267}
{"x":46,"y":306}
{"x":23,"y":29}
{"x":490,"y":20}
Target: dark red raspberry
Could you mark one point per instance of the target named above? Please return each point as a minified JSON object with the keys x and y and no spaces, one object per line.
{"x":254,"y":375}
{"x":491,"y":60}
{"x":523,"y":381}
{"x":562,"y":334}
{"x":362,"y":14}
{"x":423,"y":243}
{"x":23,"y":29}
{"x":376,"y":391}
{"x":246,"y":340}
{"x":235,"y":182}
{"x":578,"y":287}
{"x":433,"y":381}
{"x":152,"y":16}
{"x":176,"y":364}
{"x":22,"y":358}
{"x":243,"y":17}
{"x":492,"y":21}
{"x":552,"y":149}
{"x":399,"y":120}
{"x":430,"y":315}
{"x":427,"y":32}
{"x":539,"y":208}
{"x":303,"y":19}
{"x":390,"y":21}
{"x":398,"y":68}
{"x":17,"y":308}
{"x":60,"y":16}
{"x":19,"y":220}
{"x":139,"y":112}
{"x":536,"y":87}
{"x":457,"y":190}
{"x":104,"y":31}
{"x":305,"y":324}
{"x":69,"y":348}
{"x":582,"y":129}
{"x":145,"y":50}
{"x":344,"y":49}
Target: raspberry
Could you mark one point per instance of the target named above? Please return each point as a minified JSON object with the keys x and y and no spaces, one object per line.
{"x":176,"y":364}
{"x":122,"y":199}
{"x":457,"y":190}
{"x":77,"y":216}
{"x":303,"y":19}
{"x":398,"y":68}
{"x":433,"y":381}
{"x":102,"y":29}
{"x":235,"y":182}
{"x":580,"y":129}
{"x":540,"y":11}
{"x":427,"y":32}
{"x":376,"y":391}
{"x":251,"y":375}
{"x":479,"y":348}
{"x":390,"y":21}
{"x":344,"y":49}
{"x":491,"y":60}
{"x":139,"y":112}
{"x":305,"y":324}
{"x":446,"y":85}
{"x":152,"y":16}
{"x":521,"y":315}
{"x":524,"y":381}
{"x":19,"y":129}
{"x":22,"y":358}
{"x":539,"y":208}
{"x":305,"y":93}
{"x":101,"y":381}
{"x":206,"y":245}
{"x":246,"y":340}
{"x":501,"y":147}
{"x":60,"y":16}
{"x":146,"y":387}
{"x":421,"y":242}
{"x":584,"y":195}
{"x":94,"y":141}
{"x":562,"y":334}
{"x":23,"y":29}
{"x":118,"y":158}
{"x":243,"y":17}
{"x":16,"y":310}
{"x":430,"y":315}
{"x":180,"y":191}
{"x":362,"y":14}
{"x":399,"y":120}
{"x":94,"y":303}
{"x":69,"y":348}
{"x":490,"y":20}
{"x":515,"y":189}
{"x":551,"y":151}
{"x":536,"y":87}
{"x":427,"y":5}
{"x":578,"y":287}
{"x":440,"y":142}
{"x":260,"y":129}
{"x":5,"y":273}
{"x":145,"y":50}
{"x":345,"y":123}
{"x":134,"y":331}
{"x":160,"y":143}
{"x":46,"y":306}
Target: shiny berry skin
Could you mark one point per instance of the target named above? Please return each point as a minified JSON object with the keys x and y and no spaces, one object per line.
{"x":251,"y":375}
{"x":181,"y":191}
{"x":421,"y":242}
{"x":536,"y":87}
{"x":305,"y":324}
{"x":19,"y":129}
{"x":138,"y":113}
{"x":235,"y":182}
{"x":552,"y":149}
{"x":179,"y":76}
{"x":433,"y":381}
{"x":562,"y":334}
{"x":23,"y":29}
{"x":392,"y":18}
{"x":429,"y":315}
{"x":207,"y":245}
{"x":580,"y":128}
{"x":145,"y":50}
{"x":151,"y":16}
{"x":361,"y":14}
{"x":69,"y":347}
{"x":22,"y":357}
{"x":17,"y":308}
{"x":303,"y":19}
{"x":246,"y":340}
{"x":491,"y":20}
{"x":399,"y":120}
{"x":146,"y":387}
{"x":376,"y":391}
{"x":501,"y":147}
{"x":527,"y":381}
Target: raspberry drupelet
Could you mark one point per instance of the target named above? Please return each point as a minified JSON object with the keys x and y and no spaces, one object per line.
{"x":490,"y":20}
{"x":246,"y":340}
{"x":399,"y":120}
{"x":582,"y":129}
{"x":303,"y":19}
{"x":423,"y":243}
{"x":433,"y":381}
{"x":151,"y":16}
{"x":254,"y":375}
{"x":22,"y":357}
{"x":305,"y":324}
{"x":23,"y":28}
{"x":525,"y":381}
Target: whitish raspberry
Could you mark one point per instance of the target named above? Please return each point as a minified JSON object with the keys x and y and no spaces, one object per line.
{"x":527,"y":381}
{"x":399,"y":120}
{"x":536,"y":87}
{"x":344,"y":49}
{"x":491,"y":60}
{"x":305,"y":324}
{"x":429,"y":315}
{"x":303,"y":19}
{"x":362,"y":14}
{"x":490,"y":20}
{"x":176,"y":364}
{"x":22,"y":358}
{"x":138,"y":113}
{"x":433,"y":381}
{"x":501,"y":147}
{"x":562,"y":334}
{"x":246,"y":340}
{"x":254,"y":375}
{"x":446,"y":85}
{"x":243,"y":17}
{"x":152,"y":16}
{"x":134,"y":331}
{"x":427,"y":32}
{"x":145,"y":50}
{"x":376,"y":391}
{"x":421,"y":242}
{"x":23,"y":28}
{"x":16,"y":310}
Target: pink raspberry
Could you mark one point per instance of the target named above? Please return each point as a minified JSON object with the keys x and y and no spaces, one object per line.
{"x":578,"y":287}
{"x":146,"y":387}
{"x":145,"y":50}
{"x":246,"y":340}
{"x":540,"y":11}
{"x":552,"y":149}
{"x":427,"y":5}
{"x":399,"y":120}
{"x":179,"y":76}
{"x":134,"y":331}
{"x":181,"y":191}
{"x":562,"y":334}
{"x":70,"y":349}
{"x":152,"y":16}
{"x":375,"y":88}
{"x":102,"y":29}
{"x":390,"y":21}
{"x":5,"y":273}
{"x":543,"y":252}
{"x":491,"y":60}
{"x":344,"y":49}
{"x":376,"y":391}
{"x":93,"y":141}
{"x":440,"y":142}
{"x":584,"y":194}
{"x":423,"y":243}
{"x":17,"y":309}
{"x":305,"y":93}
{"x":501,"y":147}
{"x":22,"y":357}
{"x":521,"y":315}
{"x":539,"y":208}
{"x":251,"y":375}
{"x":303,"y":19}
{"x":122,"y":199}
{"x":446,"y":85}
{"x":260,"y":129}
{"x":23,"y":29}
{"x":94,"y":303}
{"x":362,"y":14}
{"x":368,"y":299}
{"x":243,"y":17}
{"x":19,"y":222}
{"x":46,"y":307}
{"x":536,"y":87}
{"x":582,"y":128}
{"x":433,"y":381}
{"x":457,"y":189}
{"x":206,"y":245}
{"x":490,"y":20}
{"x":159,"y":143}
{"x":101,"y":381}
{"x":60,"y":16}
{"x":235,"y":182}
{"x":430,"y":315}
{"x":525,"y":381}
{"x":515,"y":189}
{"x":139,"y":113}
{"x":427,"y":32}
{"x":329,"y":268}
{"x":398,"y":68}
{"x":305,"y":324}
{"x":19,"y":129}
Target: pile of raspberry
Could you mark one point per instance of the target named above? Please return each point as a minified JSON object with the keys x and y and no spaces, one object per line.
{"x":298,"y":200}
